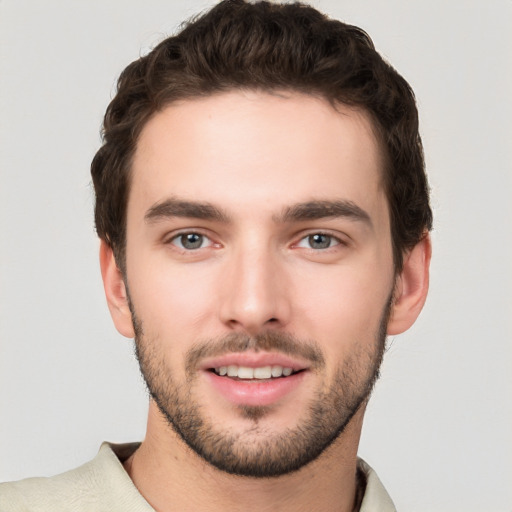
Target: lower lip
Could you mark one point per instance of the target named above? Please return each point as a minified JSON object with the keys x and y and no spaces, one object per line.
{"x":255,"y":392}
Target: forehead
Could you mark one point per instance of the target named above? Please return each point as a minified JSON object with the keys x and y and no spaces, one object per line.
{"x":257,"y":150}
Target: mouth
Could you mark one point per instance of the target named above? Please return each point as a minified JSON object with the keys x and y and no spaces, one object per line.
{"x":255,"y":379}
{"x":259,"y":373}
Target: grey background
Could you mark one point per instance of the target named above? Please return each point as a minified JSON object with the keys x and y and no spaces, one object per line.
{"x":438,"y":429}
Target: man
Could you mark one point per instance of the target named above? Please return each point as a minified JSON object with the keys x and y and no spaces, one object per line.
{"x":263,"y":213}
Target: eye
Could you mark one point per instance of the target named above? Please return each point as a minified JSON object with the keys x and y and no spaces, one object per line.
{"x":318,"y":241}
{"x":191,"y":241}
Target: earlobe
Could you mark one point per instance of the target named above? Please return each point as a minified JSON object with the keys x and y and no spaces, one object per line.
{"x":411,"y":287}
{"x":115,"y":291}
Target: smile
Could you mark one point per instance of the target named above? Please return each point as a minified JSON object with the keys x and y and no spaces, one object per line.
{"x":248,"y":373}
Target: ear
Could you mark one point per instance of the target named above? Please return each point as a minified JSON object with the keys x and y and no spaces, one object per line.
{"x":411,"y":287}
{"x":115,"y":291}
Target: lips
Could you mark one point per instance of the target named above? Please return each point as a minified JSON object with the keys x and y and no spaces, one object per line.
{"x":255,"y":360}
{"x":254,"y":379}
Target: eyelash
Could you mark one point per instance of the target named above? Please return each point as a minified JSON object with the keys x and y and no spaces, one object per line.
{"x":333,"y":241}
{"x":183,"y":234}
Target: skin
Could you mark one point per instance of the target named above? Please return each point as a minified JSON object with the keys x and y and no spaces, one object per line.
{"x":254,"y":156}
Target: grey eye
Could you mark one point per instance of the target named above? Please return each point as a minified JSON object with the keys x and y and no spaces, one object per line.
{"x":190,"y":241}
{"x":320,"y":241}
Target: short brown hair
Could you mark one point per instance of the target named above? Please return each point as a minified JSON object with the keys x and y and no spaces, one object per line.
{"x":266,"y":46}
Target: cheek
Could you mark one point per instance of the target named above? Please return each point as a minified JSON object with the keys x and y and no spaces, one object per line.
{"x":172,"y":301}
{"x":344,"y":308}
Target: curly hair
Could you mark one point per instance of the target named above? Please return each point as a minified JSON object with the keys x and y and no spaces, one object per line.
{"x":266,"y":46}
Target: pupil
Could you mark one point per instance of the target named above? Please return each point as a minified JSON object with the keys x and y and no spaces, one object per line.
{"x":319,"y":241}
{"x":192,"y":241}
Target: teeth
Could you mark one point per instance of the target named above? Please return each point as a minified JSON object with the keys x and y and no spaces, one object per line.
{"x":262,"y":373}
{"x":245,"y":372}
{"x":277,"y":371}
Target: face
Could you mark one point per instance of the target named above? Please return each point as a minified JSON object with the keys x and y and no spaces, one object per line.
{"x":259,"y":271}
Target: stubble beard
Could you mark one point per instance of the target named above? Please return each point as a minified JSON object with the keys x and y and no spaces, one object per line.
{"x":258,"y":452}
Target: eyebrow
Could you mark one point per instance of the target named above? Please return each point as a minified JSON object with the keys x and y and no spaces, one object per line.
{"x":314,"y":210}
{"x":173,"y":207}
{"x":300,"y":212}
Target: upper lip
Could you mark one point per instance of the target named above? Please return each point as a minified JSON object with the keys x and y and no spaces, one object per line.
{"x":255,"y":360}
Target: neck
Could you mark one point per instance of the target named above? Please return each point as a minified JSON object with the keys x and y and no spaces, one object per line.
{"x":172,"y":477}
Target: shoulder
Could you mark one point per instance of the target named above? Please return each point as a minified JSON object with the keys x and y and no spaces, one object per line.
{"x":375,"y":498}
{"x":99,"y":485}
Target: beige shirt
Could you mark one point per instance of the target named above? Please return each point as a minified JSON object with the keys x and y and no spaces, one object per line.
{"x":102,"y":485}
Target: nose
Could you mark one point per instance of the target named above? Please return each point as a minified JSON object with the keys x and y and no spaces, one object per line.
{"x":254,"y":294}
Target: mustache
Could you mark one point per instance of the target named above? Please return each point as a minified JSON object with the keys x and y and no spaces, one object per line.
{"x":270,"y":341}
